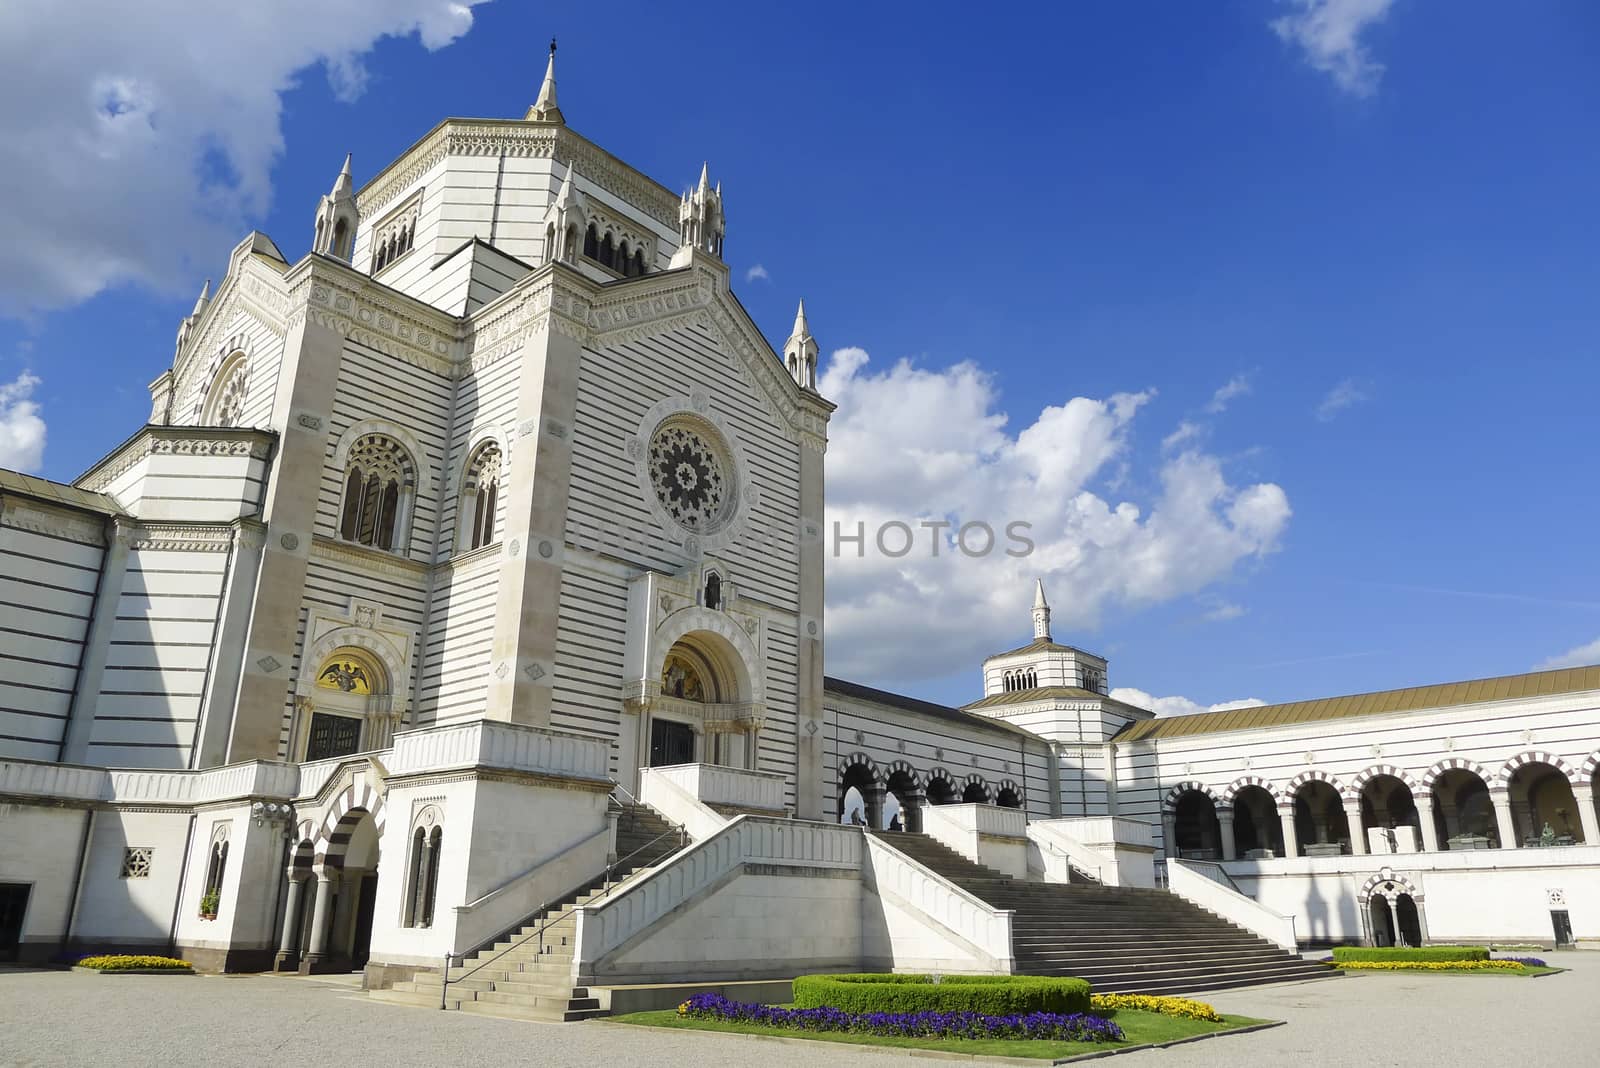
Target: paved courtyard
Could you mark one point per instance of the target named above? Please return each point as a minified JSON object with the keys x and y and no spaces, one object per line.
{"x":60,"y":1018}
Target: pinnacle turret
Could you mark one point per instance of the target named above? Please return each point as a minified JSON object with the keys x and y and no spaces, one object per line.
{"x":800,"y":351}
{"x":1041,"y":612}
{"x":545,"y":108}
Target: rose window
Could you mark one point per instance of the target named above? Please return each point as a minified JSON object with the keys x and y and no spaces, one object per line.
{"x":690,"y":478}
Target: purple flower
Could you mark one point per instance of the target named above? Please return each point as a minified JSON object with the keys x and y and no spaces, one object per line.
{"x":1076,"y":1027}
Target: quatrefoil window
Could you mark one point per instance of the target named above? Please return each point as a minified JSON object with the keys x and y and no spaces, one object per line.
{"x":690,"y":476}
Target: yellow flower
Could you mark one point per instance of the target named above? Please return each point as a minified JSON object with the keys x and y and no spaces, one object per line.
{"x":1432,"y":965}
{"x":1182,"y":1008}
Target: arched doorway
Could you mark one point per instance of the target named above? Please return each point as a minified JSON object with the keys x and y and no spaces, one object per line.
{"x":1195,"y":827}
{"x":1008,"y":796}
{"x":907,"y":796}
{"x":1320,"y":825}
{"x":1388,"y":805}
{"x":1380,"y":920}
{"x":704,"y":709}
{"x":348,"y":707}
{"x":975,"y":793}
{"x":1463,"y":813}
{"x":860,"y":797}
{"x":1544,"y":810}
{"x":345,"y":882}
{"x":1409,"y":919}
{"x":1256,"y":827}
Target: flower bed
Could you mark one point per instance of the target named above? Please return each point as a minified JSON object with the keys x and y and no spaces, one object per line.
{"x":994,"y":995}
{"x":1182,"y":1008}
{"x":1431,"y":965}
{"x":128,"y":962}
{"x":1068,"y":1027}
{"x":1344,"y":954}
{"x":1527,"y":962}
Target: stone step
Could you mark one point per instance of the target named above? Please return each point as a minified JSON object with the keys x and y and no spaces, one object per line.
{"x":557,"y":1002}
{"x":539,"y":987}
{"x":521,"y":1012}
{"x":417,"y":1000}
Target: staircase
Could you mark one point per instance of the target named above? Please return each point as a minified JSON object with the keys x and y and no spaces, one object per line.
{"x":1122,"y":939}
{"x":528,"y":975}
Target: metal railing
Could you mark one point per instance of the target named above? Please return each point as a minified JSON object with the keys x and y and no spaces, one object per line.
{"x":607,"y":882}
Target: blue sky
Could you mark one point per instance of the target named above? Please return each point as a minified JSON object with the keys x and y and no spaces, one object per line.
{"x":1344,"y":249}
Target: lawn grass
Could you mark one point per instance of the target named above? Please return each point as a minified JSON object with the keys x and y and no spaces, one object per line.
{"x":1140,"y":1027}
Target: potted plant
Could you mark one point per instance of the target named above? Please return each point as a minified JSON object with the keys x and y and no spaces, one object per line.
{"x":208,"y":904}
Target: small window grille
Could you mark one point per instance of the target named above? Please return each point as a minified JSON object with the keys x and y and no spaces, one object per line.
{"x":136,"y":862}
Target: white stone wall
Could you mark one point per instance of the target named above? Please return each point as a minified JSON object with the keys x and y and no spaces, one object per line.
{"x":49,"y":567}
{"x":39,"y":848}
{"x":132,"y":912}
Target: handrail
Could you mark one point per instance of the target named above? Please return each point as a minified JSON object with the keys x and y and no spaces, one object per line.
{"x":1071,"y":865}
{"x":444,"y":977}
{"x":673,"y":828}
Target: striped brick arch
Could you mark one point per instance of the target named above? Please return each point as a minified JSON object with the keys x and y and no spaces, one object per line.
{"x":1534,"y":756}
{"x":1431,"y":776}
{"x":1590,"y":766}
{"x":978,"y":780}
{"x":349,"y":805}
{"x":1313,"y":775}
{"x":1402,"y":885}
{"x":1177,"y":792}
{"x":1008,"y":784}
{"x":1359,"y":783}
{"x":904,"y":767}
{"x":1249,"y":780}
{"x":864,"y":761}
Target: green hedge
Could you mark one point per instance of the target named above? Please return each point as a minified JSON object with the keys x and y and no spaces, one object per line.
{"x":992,"y":995}
{"x":1342,"y":954}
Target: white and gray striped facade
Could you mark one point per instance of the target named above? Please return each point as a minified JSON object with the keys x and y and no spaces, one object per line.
{"x":348,"y":652}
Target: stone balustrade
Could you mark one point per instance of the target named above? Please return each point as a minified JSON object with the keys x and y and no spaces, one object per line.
{"x":507,"y":746}
{"x":715,"y":784}
{"x":985,"y":929}
{"x":255,"y":778}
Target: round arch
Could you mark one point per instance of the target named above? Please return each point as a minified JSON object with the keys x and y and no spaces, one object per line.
{"x":1590,"y":768}
{"x":858,"y":758}
{"x":1362,"y":778}
{"x":713,"y":634}
{"x":907,"y":774}
{"x":1233,"y":788}
{"x":420,"y":465}
{"x":1174,"y":795}
{"x":1502,"y":779}
{"x":1314,"y":775}
{"x":940,"y":787}
{"x":1431,"y":776}
{"x":975,"y":791}
{"x":344,"y":812}
{"x":1007,"y":794}
{"x":221,"y":385}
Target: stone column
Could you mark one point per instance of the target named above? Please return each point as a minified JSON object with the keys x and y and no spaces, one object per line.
{"x":1230,"y":850}
{"x":289,"y":945}
{"x":1394,"y":921}
{"x":311,"y":358}
{"x":535,"y":496}
{"x":1430,"y":833}
{"x":810,"y":721}
{"x":1502,"y":814}
{"x":1291,"y":844}
{"x":1358,"y":830}
{"x":97,"y":644}
{"x":872,"y":796}
{"x":1169,"y":834}
{"x":1583,"y":796}
{"x":911,"y":810}
{"x":321,"y":920}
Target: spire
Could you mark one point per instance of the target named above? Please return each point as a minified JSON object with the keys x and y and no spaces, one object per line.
{"x":800,"y":352}
{"x":801,"y":327}
{"x":205,"y":298}
{"x":1041,"y":612}
{"x":342,"y":184}
{"x":565,"y":220}
{"x":545,"y":108}
{"x":705,"y":177}
{"x":700,"y":221}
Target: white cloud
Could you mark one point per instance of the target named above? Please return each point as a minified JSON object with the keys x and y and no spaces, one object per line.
{"x":1581,"y":656}
{"x":1237,"y":386}
{"x":912,"y":445}
{"x":1329,"y":33}
{"x":755,"y":273}
{"x":1177,"y":706}
{"x":22,"y":432}
{"x":1345,"y":395}
{"x":1186,"y":434}
{"x":139,"y":147}
{"x":1220,"y":611}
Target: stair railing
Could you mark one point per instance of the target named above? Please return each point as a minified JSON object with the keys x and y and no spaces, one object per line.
{"x":444,"y":976}
{"x":672,"y":829}
{"x":1072,"y":865}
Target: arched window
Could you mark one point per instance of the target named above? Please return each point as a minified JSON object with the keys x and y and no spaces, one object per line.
{"x":622,"y":257}
{"x":550,"y":242}
{"x":480,"y":497}
{"x":638,"y":261}
{"x":570,"y":250}
{"x":422,"y":881}
{"x":216,"y":871}
{"x":225,"y":400}
{"x":591,"y":243}
{"x":608,"y":251}
{"x":379,"y":484}
{"x":713,"y":597}
{"x":341,"y":231}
